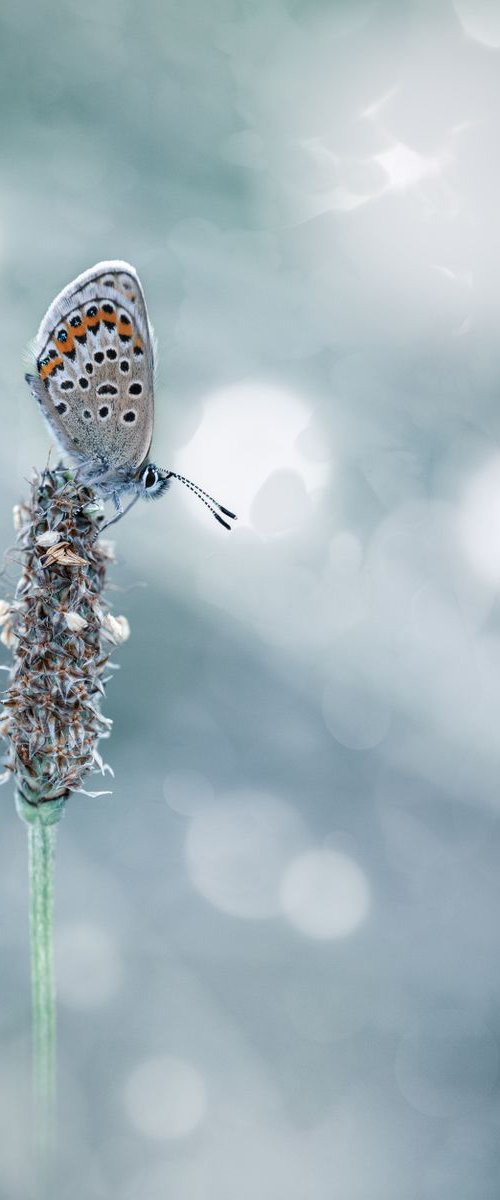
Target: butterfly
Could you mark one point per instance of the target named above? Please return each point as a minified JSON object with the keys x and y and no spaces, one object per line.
{"x":94,"y":382}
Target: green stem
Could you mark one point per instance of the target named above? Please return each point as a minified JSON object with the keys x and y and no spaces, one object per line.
{"x":42,"y":840}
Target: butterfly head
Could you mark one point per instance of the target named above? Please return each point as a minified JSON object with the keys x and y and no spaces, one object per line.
{"x":152,"y":482}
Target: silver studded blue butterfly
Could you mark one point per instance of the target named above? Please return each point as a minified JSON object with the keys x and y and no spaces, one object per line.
{"x":95,"y":362}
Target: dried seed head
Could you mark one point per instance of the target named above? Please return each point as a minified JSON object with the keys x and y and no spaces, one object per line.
{"x":49,"y":538}
{"x":61,"y":553}
{"x":7,"y":636}
{"x":59,"y":629}
{"x":19,"y":513}
{"x":116,"y":629}
{"x":75,"y":622}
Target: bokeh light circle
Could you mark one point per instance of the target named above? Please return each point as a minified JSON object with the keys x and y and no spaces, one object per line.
{"x":325,"y":894}
{"x":479,"y":521}
{"x":480,"y":20}
{"x":165,"y":1097}
{"x":248,"y":440}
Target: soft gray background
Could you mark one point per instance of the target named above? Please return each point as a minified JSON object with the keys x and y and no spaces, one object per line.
{"x":277,"y":941}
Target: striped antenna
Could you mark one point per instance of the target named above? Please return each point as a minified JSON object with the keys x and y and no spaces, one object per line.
{"x":211,"y":504}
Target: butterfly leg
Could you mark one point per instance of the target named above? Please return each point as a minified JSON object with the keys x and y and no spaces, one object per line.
{"x":120,"y":512}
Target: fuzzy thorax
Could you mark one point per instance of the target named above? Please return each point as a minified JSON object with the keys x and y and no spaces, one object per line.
{"x":61,"y":633}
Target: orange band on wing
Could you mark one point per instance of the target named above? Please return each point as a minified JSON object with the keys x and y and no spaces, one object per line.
{"x":50,"y":367}
{"x":78,"y":330}
{"x":125,"y":329}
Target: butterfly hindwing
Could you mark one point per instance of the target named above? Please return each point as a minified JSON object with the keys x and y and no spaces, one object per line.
{"x":95,"y":369}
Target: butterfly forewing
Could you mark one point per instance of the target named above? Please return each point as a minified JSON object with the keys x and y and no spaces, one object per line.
{"x":95,"y":369}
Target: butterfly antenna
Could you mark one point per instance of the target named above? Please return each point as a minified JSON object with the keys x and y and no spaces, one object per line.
{"x":205,"y":498}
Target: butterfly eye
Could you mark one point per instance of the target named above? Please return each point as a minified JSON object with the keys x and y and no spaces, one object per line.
{"x":154,"y":481}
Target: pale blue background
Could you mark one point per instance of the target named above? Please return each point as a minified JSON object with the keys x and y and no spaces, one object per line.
{"x":277,"y":946}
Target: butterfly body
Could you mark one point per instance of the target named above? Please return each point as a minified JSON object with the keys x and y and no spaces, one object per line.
{"x":94,"y":382}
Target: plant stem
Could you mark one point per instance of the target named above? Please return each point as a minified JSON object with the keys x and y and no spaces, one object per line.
{"x":42,"y":839}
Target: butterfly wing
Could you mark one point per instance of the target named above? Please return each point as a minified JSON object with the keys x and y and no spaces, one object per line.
{"x":94,"y":355}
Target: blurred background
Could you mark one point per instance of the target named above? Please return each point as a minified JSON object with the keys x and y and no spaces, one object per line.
{"x":277,"y":940}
